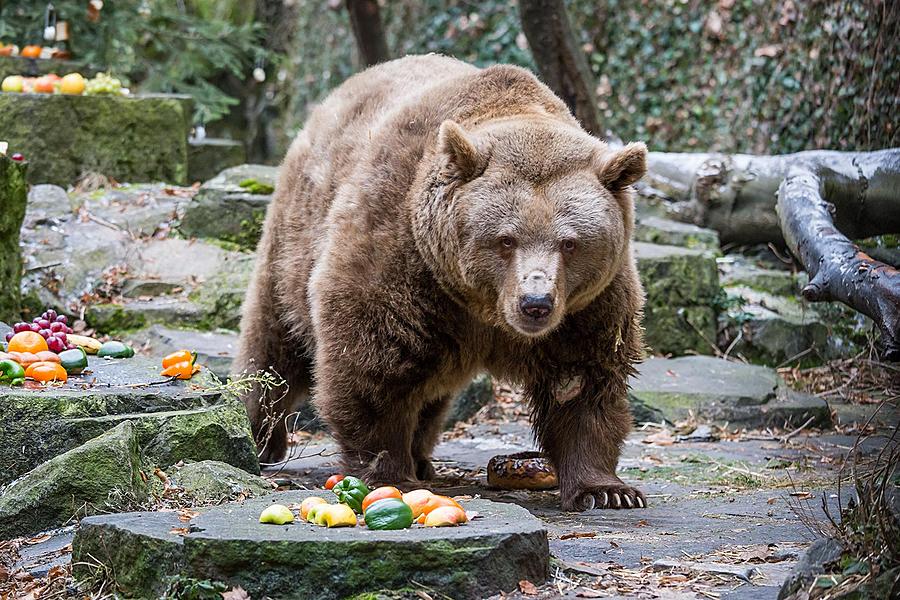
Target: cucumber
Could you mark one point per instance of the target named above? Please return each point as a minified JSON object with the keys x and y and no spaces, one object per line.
{"x":73,"y":361}
{"x":115,"y":349}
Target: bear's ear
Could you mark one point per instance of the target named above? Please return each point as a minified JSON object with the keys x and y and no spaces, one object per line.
{"x":623,"y":167}
{"x":463,"y":158}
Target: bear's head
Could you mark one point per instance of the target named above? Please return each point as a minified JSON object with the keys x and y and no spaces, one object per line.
{"x":528,"y":218}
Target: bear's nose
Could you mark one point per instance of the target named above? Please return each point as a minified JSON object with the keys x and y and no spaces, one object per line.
{"x":536,"y":306}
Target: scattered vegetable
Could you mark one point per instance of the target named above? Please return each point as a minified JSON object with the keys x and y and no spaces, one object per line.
{"x":277,"y":514}
{"x":115,"y":349}
{"x":446,"y":516}
{"x":309,"y":503}
{"x":180,"y":356}
{"x":380,"y":494}
{"x":27,"y":341}
{"x":73,"y":361}
{"x":351,"y":491}
{"x":11,"y":372}
{"x":313,"y":513}
{"x":417,"y":499}
{"x":388,"y":513}
{"x":182,"y":370}
{"x":336,"y":515}
{"x":46,"y":371}
{"x":332,"y":481}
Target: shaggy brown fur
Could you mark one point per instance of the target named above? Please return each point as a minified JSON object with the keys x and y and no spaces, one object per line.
{"x":433,"y":220}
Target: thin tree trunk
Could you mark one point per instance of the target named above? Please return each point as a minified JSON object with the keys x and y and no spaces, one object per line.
{"x":735,"y":194}
{"x":838,"y":269}
{"x":559,"y":58}
{"x":368,"y":31}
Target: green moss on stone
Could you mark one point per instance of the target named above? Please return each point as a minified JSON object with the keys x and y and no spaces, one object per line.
{"x":129,"y":139}
{"x":257,"y":187}
{"x":114,"y":319}
{"x":13,"y":198}
{"x":100,"y":475}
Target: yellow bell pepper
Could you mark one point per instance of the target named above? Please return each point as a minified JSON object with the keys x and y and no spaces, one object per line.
{"x":336,"y":515}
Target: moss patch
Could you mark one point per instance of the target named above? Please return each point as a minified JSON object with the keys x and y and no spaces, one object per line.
{"x":13,"y":198}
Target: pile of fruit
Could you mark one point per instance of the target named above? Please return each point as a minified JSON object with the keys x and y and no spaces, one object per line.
{"x":73,"y":83}
{"x":382,"y":508}
{"x":32,"y":51}
{"x":47,"y":349}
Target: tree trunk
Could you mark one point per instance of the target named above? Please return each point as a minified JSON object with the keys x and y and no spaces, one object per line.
{"x":560,"y":61}
{"x":838,"y":269}
{"x":735,"y":194}
{"x":367,"y":29}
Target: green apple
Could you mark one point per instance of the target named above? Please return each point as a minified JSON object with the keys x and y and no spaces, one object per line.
{"x":277,"y":514}
{"x":13,"y":83}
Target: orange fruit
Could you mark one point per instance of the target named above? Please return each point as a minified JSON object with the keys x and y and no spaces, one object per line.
{"x":435,"y":501}
{"x":445,"y":516}
{"x":380,"y":494}
{"x":416,"y":500}
{"x":27,"y":341}
{"x":30,"y":51}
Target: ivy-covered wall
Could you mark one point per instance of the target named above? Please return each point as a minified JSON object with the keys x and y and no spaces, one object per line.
{"x":761,"y":76}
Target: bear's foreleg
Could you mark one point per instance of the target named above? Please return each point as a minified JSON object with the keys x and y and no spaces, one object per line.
{"x":428,"y":431}
{"x":582,"y":431}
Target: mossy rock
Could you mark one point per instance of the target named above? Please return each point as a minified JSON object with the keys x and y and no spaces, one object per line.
{"x":132,"y":139}
{"x":657,"y":230}
{"x":228,"y":544}
{"x":176,"y":421}
{"x":13,"y":199}
{"x":232,"y":206}
{"x":212,"y":482}
{"x":680,"y":330}
{"x":101,"y":475}
{"x":209,"y":156}
{"x":675,"y":276}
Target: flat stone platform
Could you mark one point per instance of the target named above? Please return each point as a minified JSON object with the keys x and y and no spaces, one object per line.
{"x":141,"y":551}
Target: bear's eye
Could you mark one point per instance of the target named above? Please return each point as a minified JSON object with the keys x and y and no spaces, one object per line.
{"x":506,"y":242}
{"x":568,"y":246}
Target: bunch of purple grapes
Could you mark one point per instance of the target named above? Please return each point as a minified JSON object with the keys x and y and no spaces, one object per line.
{"x":52,"y":328}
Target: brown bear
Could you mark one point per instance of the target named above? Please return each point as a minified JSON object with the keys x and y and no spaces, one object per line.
{"x":432,"y":220}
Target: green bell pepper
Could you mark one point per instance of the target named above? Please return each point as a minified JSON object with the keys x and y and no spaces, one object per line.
{"x":74,"y":361}
{"x":11,"y":372}
{"x":351,"y":491}
{"x":115,"y":350}
{"x":389,"y":513}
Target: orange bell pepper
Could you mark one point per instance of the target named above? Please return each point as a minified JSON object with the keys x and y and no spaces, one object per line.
{"x":46,"y":371}
{"x":27,"y":341}
{"x":182,"y":370}
{"x":178,"y":357}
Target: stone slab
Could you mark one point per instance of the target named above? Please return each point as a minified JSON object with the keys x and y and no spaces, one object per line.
{"x":170,"y":418}
{"x":658,"y":230}
{"x":130,"y":139}
{"x":227,"y":543}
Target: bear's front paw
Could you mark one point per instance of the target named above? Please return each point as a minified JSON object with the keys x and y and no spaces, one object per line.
{"x":612,"y":495}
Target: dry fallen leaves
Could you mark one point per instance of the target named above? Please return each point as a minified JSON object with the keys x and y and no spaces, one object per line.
{"x":528,"y":588}
{"x":578,"y":534}
{"x":236,"y":593}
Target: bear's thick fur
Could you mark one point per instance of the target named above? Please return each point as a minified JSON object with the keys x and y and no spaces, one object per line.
{"x":433,"y":220}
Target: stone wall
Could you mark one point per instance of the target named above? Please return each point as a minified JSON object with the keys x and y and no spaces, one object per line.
{"x":13,"y":198}
{"x":129,"y":139}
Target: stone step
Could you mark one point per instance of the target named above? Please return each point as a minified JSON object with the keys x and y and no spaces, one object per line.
{"x":659,"y":230}
{"x":209,"y":156}
{"x":709,"y":388}
{"x":227,"y":211}
{"x":489,"y":555}
{"x":682,"y":287}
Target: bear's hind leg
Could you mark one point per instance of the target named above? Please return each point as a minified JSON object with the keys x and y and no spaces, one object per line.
{"x":428,"y":431}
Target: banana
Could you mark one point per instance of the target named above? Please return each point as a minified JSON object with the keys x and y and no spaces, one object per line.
{"x":90,"y":345}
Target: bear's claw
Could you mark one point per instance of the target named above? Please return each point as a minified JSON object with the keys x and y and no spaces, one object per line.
{"x":618,"y":496}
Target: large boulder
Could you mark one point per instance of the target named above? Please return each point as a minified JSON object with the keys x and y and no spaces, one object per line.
{"x":213,"y":482}
{"x":227,"y":543}
{"x":232,"y":206}
{"x":682,"y":287}
{"x":134,"y":139}
{"x":173,"y":421}
{"x":13,"y":196}
{"x":101,"y":475}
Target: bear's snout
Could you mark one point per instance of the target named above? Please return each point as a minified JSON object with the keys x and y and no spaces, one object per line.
{"x":536,"y":306}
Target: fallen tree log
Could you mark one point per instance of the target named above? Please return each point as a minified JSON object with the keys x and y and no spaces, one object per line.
{"x":735,"y":193}
{"x":814,"y":202}
{"x":837,"y":268}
